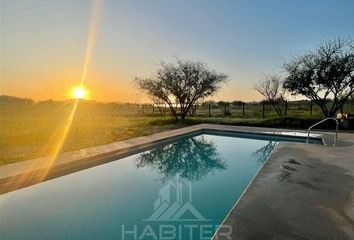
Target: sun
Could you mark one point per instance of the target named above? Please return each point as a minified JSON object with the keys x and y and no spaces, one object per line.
{"x":79,"y":92}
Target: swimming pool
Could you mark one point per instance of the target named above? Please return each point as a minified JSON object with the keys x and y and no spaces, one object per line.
{"x":178,"y":190}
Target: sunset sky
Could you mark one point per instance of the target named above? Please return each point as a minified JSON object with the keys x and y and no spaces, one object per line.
{"x":45,"y":43}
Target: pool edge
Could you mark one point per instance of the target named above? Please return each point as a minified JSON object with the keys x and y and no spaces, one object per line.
{"x":66,"y":163}
{"x":266,"y":208}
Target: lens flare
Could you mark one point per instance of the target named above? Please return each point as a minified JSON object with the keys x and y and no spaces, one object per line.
{"x":31,"y":174}
{"x":80,"y":91}
{"x":90,"y":40}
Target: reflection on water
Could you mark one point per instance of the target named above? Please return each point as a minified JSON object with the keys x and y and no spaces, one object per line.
{"x":262,"y":154}
{"x":189,"y":158}
{"x":202,"y":178}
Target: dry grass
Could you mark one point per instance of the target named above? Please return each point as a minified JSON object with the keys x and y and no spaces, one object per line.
{"x":32,"y":130}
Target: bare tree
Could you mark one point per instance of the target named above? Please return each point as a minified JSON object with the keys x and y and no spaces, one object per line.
{"x":262,"y":154}
{"x":271,"y":88}
{"x":326,"y":75}
{"x":182,"y":85}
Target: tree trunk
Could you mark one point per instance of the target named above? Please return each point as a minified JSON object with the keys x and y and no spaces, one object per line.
{"x":185,"y":112}
{"x":173,"y":111}
{"x":183,"y":116}
{"x":276,"y":107}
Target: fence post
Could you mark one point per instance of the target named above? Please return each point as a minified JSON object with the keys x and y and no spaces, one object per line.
{"x":143,"y":106}
{"x":263,"y":109}
{"x":286,"y":107}
{"x":209,"y":110}
{"x":243,"y":109}
{"x":225,"y":111}
{"x":311,"y":108}
{"x":153,"y":108}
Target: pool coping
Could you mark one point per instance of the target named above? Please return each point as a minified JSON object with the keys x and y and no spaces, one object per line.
{"x":37,"y":170}
{"x":252,"y":218}
{"x":228,"y":215}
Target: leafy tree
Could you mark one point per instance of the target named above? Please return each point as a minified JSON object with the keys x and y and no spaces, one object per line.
{"x":326,"y":75}
{"x":182,"y":85}
{"x":237,"y":102}
{"x":271,"y":88}
{"x":209,"y":102}
{"x":223,"y":103}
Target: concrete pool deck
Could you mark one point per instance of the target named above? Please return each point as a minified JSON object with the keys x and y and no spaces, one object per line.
{"x":302,"y":192}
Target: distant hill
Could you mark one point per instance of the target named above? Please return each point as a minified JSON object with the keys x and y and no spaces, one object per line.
{"x":6,"y":100}
{"x":13,"y":100}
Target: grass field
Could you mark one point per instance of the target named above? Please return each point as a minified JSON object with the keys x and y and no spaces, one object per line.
{"x":31,"y":130}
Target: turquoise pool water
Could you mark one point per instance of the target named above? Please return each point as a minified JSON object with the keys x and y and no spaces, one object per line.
{"x":180,"y":190}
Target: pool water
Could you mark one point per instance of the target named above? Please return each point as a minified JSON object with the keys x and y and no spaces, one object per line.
{"x":180,"y":190}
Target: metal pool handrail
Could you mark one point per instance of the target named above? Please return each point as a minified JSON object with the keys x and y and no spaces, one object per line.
{"x":335,"y":134}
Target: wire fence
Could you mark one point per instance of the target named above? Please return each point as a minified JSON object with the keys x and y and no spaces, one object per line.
{"x":247,"y":110}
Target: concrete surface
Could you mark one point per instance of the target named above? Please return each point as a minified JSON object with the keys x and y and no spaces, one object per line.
{"x":302,"y":192}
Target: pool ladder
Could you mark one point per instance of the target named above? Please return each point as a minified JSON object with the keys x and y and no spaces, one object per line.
{"x":335,"y":134}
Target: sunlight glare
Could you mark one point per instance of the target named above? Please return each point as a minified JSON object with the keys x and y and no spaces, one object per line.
{"x":79,"y":93}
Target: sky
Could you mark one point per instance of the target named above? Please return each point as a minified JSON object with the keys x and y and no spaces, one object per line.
{"x":48,"y":46}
